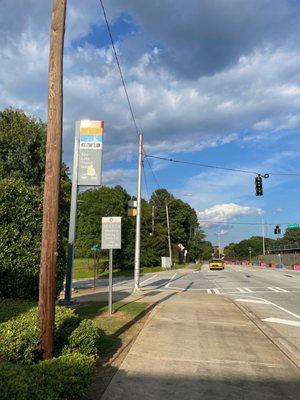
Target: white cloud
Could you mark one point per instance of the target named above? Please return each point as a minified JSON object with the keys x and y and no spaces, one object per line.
{"x":257,"y":90}
{"x":222,"y":213}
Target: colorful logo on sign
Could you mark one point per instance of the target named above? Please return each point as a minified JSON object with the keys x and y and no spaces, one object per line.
{"x":91,"y":134}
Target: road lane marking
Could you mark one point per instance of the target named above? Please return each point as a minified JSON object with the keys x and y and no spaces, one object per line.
{"x":121,"y":283}
{"x":148,"y":279}
{"x":241,"y":290}
{"x":248,"y":290}
{"x":173,"y":277}
{"x":251,"y":301}
{"x":270,"y":303}
{"x":273,"y":289}
{"x":216,"y":291}
{"x":280,"y":289}
{"x":209,"y":291}
{"x":282,"y":321}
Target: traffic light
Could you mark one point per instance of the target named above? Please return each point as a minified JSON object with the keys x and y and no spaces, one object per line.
{"x":277,"y":230}
{"x":258,"y":185}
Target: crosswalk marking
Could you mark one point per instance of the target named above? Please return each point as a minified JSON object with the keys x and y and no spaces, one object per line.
{"x":280,"y":289}
{"x":241,"y":290}
{"x":248,"y":290}
{"x":216,"y":291}
{"x":273,"y":289}
{"x":209,"y":291}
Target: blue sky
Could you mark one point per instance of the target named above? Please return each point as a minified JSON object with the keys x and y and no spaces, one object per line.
{"x":211,"y":81}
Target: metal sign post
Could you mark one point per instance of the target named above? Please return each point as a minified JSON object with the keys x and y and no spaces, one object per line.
{"x":111,"y":239}
{"x":87,"y":171}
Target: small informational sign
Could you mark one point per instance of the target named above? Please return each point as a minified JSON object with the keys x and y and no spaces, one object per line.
{"x":111,"y":233}
{"x":90,"y":152}
{"x":293,"y":226}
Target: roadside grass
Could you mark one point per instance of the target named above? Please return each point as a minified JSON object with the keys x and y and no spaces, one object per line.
{"x":83,"y":268}
{"x":114,"y":327}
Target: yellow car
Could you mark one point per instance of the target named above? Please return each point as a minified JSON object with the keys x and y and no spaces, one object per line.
{"x":216,"y":264}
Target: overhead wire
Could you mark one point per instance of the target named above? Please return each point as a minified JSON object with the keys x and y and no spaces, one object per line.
{"x":242,"y":223}
{"x":125,"y":88}
{"x":119,"y":68}
{"x":147,"y":156}
{"x":145,"y":181}
{"x":195,"y":163}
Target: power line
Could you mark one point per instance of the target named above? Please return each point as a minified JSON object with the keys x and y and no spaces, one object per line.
{"x":125,"y":88}
{"x":119,"y":68}
{"x":242,"y":223}
{"x":145,"y":181}
{"x":173,"y":160}
{"x":153,"y":174}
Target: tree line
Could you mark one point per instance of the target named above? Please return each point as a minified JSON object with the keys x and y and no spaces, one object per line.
{"x":105,"y":201}
{"x":22,"y":164}
{"x":241,"y":250}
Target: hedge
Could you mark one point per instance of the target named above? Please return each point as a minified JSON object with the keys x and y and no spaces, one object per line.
{"x":19,"y":337}
{"x":23,"y":376}
{"x":20,"y":240}
{"x":64,"y":378}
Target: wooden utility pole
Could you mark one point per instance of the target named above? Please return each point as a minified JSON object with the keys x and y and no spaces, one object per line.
{"x":47,"y":288}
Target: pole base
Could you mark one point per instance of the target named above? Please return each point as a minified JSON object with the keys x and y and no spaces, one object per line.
{"x":64,"y":302}
{"x":137,"y":291}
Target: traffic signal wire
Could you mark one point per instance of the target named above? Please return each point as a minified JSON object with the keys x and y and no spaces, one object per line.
{"x":241,"y":223}
{"x":198,"y":164}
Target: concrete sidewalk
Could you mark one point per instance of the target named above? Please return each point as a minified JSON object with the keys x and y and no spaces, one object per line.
{"x":203,"y":347}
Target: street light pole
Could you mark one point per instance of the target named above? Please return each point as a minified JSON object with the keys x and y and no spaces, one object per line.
{"x":263,"y":235}
{"x":136,"y":288}
{"x":169,"y":234}
{"x":219,"y":243}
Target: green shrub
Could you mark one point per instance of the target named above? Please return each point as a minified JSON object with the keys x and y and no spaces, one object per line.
{"x":13,"y":382}
{"x":19,"y":336}
{"x":65,"y":322}
{"x":66,"y":377}
{"x":20,"y":240}
{"x":85,"y":339}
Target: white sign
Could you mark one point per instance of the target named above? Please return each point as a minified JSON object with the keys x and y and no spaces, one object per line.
{"x":111,"y":233}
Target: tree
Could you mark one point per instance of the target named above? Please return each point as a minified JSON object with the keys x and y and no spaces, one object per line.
{"x":22,"y":144}
{"x":22,"y":164}
{"x":290,"y":236}
{"x":241,"y":250}
{"x":199,"y":249}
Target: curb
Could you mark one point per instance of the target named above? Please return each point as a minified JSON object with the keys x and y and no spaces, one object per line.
{"x":272,"y":336}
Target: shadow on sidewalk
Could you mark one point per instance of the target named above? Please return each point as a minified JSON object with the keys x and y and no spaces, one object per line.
{"x":234,"y":386}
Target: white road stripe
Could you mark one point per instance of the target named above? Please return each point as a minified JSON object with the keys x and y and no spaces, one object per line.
{"x":209,"y":291}
{"x":216,"y":291}
{"x":273,"y":289}
{"x":281,"y":290}
{"x":121,"y":283}
{"x":241,"y":290}
{"x":282,"y":321}
{"x":251,"y":301}
{"x":168,"y":284}
{"x":148,"y":279}
{"x":248,"y":290}
{"x":267,"y":302}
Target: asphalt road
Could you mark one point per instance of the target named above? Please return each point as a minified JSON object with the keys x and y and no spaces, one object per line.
{"x":273,"y":296}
